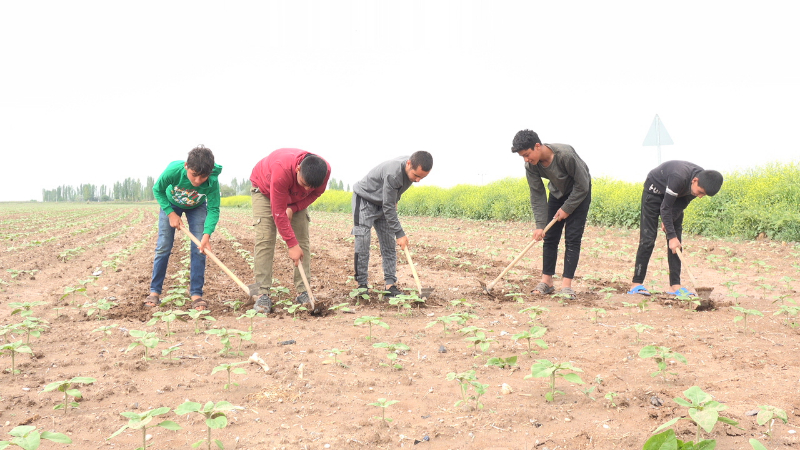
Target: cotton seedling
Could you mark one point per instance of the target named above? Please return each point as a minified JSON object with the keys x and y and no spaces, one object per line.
{"x":141,"y":421}
{"x":335,"y":352}
{"x":13,"y":348}
{"x":343,"y":307}
{"x":789,"y":311}
{"x":640,"y":328}
{"x":230,"y":368}
{"x":370,"y":320}
{"x":534,"y":312}
{"x":769,"y":413}
{"x":597,"y":312}
{"x":502,"y":363}
{"x":177,"y":297}
{"x":106,"y":330}
{"x":359,"y":294}
{"x":33,"y":326}
{"x":403,"y":301}
{"x":465,"y":381}
{"x":479,"y":340}
{"x":169,"y":350}
{"x":460,"y":303}
{"x":518,"y":297}
{"x":609,"y":292}
{"x":294,"y":309}
{"x":65,"y":386}
{"x":196,"y":316}
{"x":745,"y":313}
{"x":215,"y":415}
{"x":661,"y":355}
{"x":24,"y":309}
{"x":393,"y":352}
{"x":382,"y":403}
{"x":532,"y":335}
{"x":544,"y":368}
{"x":71,"y":291}
{"x":703,"y":411}
{"x":147,"y":339}
{"x":588,"y":392}
{"x":444,"y":320}
{"x":29,"y":438}
{"x":103,"y":304}
{"x":225,"y":336}
{"x":610,"y":397}
{"x":251,"y":315}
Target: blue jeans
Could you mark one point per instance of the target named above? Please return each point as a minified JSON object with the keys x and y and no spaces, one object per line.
{"x":166,"y":235}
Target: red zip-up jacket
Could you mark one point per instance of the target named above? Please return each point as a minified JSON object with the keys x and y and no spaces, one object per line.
{"x":276,"y":177}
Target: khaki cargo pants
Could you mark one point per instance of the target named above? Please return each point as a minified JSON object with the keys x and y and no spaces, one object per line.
{"x":266,"y":233}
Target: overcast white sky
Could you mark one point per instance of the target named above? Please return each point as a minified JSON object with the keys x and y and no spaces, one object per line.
{"x":94,"y":92}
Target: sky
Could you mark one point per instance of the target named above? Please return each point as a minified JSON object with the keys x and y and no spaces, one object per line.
{"x":95,"y":92}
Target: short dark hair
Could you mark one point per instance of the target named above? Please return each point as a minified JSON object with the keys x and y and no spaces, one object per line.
{"x":421,"y":159}
{"x":201,"y":160}
{"x":710,"y":181}
{"x":524,"y":140}
{"x":314,"y":170}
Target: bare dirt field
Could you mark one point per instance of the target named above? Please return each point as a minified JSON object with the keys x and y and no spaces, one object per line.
{"x":319,"y":388}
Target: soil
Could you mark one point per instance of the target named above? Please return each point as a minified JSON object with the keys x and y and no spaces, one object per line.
{"x":306,"y":400}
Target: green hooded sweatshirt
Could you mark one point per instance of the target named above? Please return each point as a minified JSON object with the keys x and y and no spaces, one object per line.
{"x":173,"y":188}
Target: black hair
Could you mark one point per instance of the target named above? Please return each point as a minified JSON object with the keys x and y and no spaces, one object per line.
{"x":710,"y":181}
{"x":423,"y":160}
{"x":524,"y":140}
{"x":201,"y":160}
{"x":314,"y":170}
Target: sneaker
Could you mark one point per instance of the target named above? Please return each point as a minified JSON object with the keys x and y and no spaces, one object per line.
{"x":302,"y":299}
{"x":263,"y":304}
{"x":363,"y":286}
{"x":393,"y":292}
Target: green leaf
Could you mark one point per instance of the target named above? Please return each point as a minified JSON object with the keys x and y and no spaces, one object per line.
{"x":217,"y":423}
{"x":82,"y":380}
{"x":662,"y":441}
{"x":697,"y":396}
{"x":706,"y":418}
{"x":169,"y":425}
{"x":753,"y":442}
{"x":58,"y":438}
{"x":187,"y":407}
{"x":74,"y":393}
{"x":53,"y":386}
{"x":668,"y":424}
{"x":219,"y":444}
{"x":573,"y":378}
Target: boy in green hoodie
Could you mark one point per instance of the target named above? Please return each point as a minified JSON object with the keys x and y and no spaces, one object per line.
{"x":190,"y":188}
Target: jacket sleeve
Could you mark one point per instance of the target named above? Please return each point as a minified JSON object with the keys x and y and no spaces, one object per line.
{"x":212,"y":202}
{"x":538,"y":196}
{"x":279,"y":201}
{"x":581,"y":184}
{"x":389,"y":195}
{"x":170,"y":176}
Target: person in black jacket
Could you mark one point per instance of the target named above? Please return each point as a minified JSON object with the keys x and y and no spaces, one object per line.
{"x":668,"y":190}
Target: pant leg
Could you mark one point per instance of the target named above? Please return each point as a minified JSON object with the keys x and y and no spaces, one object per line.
{"x":674,"y":260}
{"x":648,"y":230}
{"x":362,"y":233}
{"x":197,"y":219}
{"x":388,"y":244}
{"x":552,"y":237}
{"x":264,"y":249}
{"x":300,"y":223}
{"x":166,"y":236}
{"x":574,"y":227}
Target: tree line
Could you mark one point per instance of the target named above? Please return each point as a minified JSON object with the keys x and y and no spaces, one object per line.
{"x":128,"y":190}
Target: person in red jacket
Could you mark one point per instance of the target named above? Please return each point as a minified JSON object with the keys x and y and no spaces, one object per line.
{"x":285,"y":183}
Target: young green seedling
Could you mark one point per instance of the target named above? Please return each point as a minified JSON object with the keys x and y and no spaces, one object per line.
{"x":65,"y":386}
{"x":393,"y":351}
{"x":640,"y":328}
{"x":13,"y":348}
{"x":502,"y":363}
{"x":167,"y":317}
{"x":234,"y":304}
{"x":176,"y":297}
{"x":597,"y":312}
{"x":768,"y":414}
{"x":383,"y":404}
{"x":534,"y":312}
{"x":588,"y":392}
{"x":29,"y":438}
{"x":544,"y":368}
{"x":745,"y":313}
{"x":140,"y":422}
{"x":225,"y":336}
{"x":103,"y":304}
{"x":703,"y":410}
{"x":370,"y":320}
{"x":33,"y":326}
{"x":533,"y":334}
{"x":229,"y":367}
{"x":294,"y":308}
{"x":24,"y":309}
{"x":460,"y":303}
{"x":147,"y":339}
{"x":359,"y":294}
{"x":106,"y":330}
{"x":215,"y":415}
{"x":343,"y":307}
{"x":518,"y":297}
{"x":334,"y":353}
{"x":465,"y":381}
{"x":661,"y":355}
{"x":196,"y":316}
{"x":251,"y":314}
{"x":790,"y":311}
{"x":480,"y":341}
{"x":610,"y":397}
{"x":71,"y":290}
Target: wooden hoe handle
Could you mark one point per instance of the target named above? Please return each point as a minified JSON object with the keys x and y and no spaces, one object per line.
{"x":521,"y":254}
{"x":413,"y":270}
{"x":308,"y":288}
{"x":216,"y":260}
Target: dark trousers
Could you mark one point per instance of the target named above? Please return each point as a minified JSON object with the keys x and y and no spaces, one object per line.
{"x":648,"y":231}
{"x":573,"y":227}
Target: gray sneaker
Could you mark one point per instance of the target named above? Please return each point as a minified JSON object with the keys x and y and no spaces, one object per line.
{"x":263,"y":304}
{"x":302,"y":299}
